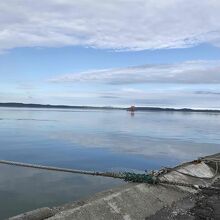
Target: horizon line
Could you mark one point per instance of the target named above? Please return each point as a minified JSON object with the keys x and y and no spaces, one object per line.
{"x":13,"y":104}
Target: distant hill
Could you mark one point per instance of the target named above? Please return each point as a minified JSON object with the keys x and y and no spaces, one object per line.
{"x":155,"y":109}
{"x":31,"y":105}
{"x":175,"y":109}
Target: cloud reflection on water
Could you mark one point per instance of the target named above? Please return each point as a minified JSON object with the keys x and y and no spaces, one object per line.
{"x":23,"y":189}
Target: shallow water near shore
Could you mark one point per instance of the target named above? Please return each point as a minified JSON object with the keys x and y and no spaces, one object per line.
{"x":101,"y":140}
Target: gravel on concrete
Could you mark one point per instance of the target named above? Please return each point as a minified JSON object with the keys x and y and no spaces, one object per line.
{"x":204,"y":205}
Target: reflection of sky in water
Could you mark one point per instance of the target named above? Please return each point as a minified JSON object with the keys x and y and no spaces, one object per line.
{"x":23,"y":189}
{"x":100,"y":140}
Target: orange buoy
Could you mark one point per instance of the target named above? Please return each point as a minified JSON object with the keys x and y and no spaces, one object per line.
{"x":132,"y":108}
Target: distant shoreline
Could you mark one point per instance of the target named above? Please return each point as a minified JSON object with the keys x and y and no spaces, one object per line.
{"x":31,"y":105}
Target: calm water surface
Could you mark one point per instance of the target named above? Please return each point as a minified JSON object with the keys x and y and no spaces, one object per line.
{"x":92,"y":140}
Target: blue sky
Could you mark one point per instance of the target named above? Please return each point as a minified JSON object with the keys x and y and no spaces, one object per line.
{"x":116,"y":53}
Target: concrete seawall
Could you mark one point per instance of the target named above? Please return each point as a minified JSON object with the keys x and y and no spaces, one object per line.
{"x":133,"y":201}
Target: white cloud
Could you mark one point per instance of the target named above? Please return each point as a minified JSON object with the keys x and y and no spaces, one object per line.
{"x":111,"y":24}
{"x":192,"y":72}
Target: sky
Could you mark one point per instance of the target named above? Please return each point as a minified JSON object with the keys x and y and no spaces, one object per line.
{"x":163,"y":53}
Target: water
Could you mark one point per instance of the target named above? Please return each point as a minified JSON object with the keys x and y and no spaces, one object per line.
{"x":92,"y":140}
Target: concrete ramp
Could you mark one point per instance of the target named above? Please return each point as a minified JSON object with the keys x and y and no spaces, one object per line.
{"x":139,"y":201}
{"x":134,"y":201}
